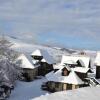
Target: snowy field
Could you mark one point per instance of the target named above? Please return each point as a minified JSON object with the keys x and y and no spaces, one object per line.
{"x":90,"y":93}
{"x":32,"y":91}
{"x":27,"y":90}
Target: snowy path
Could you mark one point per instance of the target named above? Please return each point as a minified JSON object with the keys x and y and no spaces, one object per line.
{"x":27,"y":90}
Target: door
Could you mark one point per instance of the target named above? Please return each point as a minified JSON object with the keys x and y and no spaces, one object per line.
{"x":64,"y":86}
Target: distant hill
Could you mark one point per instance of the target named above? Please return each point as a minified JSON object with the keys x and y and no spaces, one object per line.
{"x":56,"y":52}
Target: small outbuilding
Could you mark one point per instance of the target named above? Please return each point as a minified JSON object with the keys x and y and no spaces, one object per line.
{"x":29,"y":69}
{"x":45,"y":60}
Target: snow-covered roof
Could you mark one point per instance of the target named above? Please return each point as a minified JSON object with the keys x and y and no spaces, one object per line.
{"x":43,"y":60}
{"x":75,"y":58}
{"x":46,"y":56}
{"x":35,"y":61}
{"x":81,"y":69}
{"x":84,"y":60}
{"x":97,"y":60}
{"x":81,"y":62}
{"x":37,"y":53}
{"x":59,"y":66}
{"x":26,"y":62}
{"x":72,"y":78}
{"x":71,"y":62}
{"x":67,"y":67}
{"x":76,"y":69}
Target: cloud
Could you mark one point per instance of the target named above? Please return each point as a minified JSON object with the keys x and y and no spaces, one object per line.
{"x":70,"y":18}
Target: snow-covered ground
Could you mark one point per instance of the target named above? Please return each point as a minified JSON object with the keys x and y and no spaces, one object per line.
{"x":27,"y":90}
{"x":32,"y":91}
{"x":90,"y":93}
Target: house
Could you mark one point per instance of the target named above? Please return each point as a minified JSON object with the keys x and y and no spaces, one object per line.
{"x":63,"y":79}
{"x":97,"y":64}
{"x":28,"y":66}
{"x":45,"y":60}
{"x":80,"y":64}
{"x":80,"y":60}
{"x":71,"y":73}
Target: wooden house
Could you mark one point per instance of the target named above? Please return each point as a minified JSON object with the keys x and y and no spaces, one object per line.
{"x":45,"y":60}
{"x":77,"y":60}
{"x":29,"y":69}
{"x":63,"y":79}
{"x":80,"y":64}
{"x":97,"y":64}
{"x":69,"y":74}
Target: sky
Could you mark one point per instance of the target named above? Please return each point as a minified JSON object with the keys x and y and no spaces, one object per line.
{"x":65,"y":23}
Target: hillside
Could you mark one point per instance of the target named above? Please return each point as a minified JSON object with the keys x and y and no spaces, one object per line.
{"x":56,"y":52}
{"x":23,"y":47}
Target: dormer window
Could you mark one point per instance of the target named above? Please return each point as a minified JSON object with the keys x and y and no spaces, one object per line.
{"x":65,"y":72}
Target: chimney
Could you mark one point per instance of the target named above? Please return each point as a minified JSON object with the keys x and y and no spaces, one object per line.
{"x":97,"y":72}
{"x":97,"y":64}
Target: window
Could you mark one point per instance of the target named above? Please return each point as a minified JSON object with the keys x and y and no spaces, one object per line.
{"x":65,"y":72}
{"x":69,"y":86}
{"x":57,"y":85}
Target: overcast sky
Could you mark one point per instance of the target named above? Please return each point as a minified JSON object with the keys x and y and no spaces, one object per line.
{"x":66,"y":23}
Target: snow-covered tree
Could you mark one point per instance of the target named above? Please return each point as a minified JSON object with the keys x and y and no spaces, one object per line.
{"x":9,"y":70}
{"x":6,"y":51}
